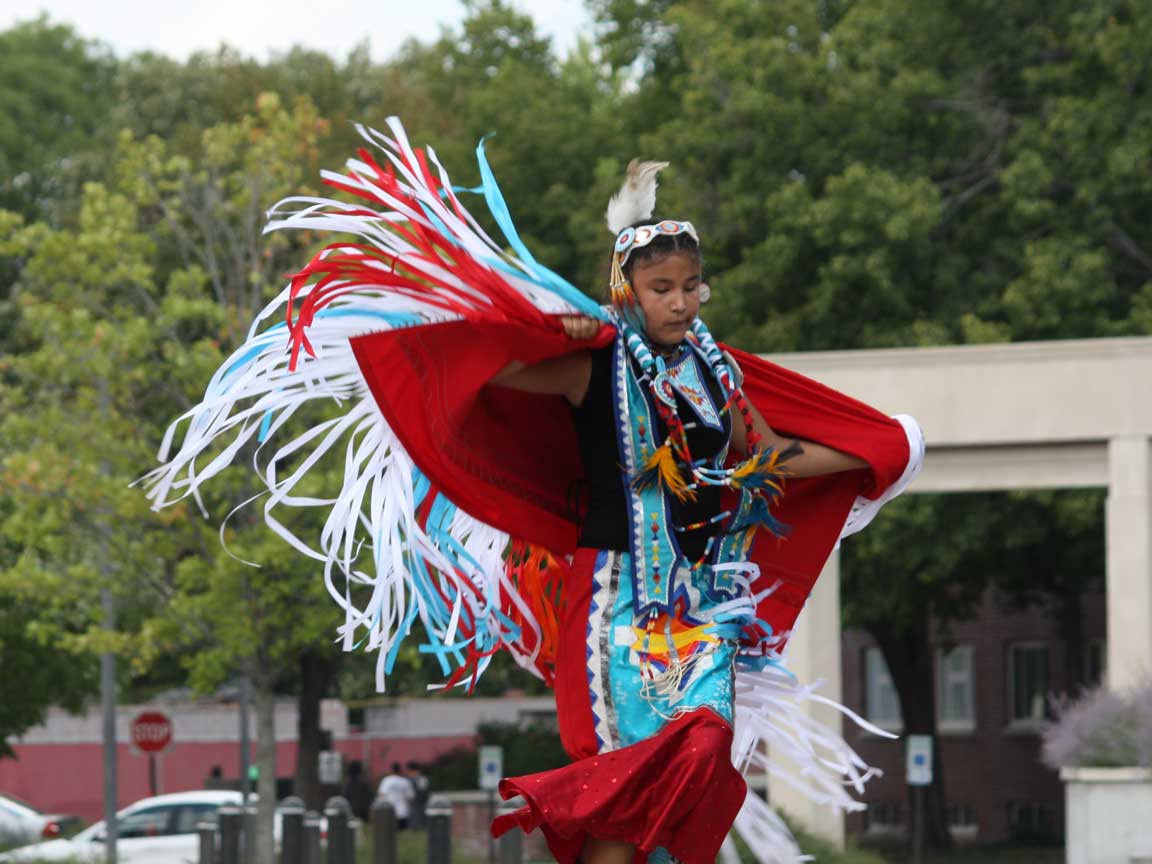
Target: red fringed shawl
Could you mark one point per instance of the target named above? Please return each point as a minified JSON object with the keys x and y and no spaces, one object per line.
{"x":511,"y":459}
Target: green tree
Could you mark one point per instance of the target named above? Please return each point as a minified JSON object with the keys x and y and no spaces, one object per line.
{"x":33,"y":660}
{"x":206,"y":207}
{"x":123,"y":319}
{"x":75,"y":395}
{"x":55,"y":91}
{"x":176,"y":101}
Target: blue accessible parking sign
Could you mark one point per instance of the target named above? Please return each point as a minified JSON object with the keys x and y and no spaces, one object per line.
{"x":919,"y":760}
{"x":491,"y":767}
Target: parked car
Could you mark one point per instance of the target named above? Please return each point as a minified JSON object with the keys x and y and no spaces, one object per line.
{"x":160,"y":830}
{"x":21,"y":823}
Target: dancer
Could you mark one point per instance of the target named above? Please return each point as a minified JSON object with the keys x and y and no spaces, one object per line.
{"x":476,"y":398}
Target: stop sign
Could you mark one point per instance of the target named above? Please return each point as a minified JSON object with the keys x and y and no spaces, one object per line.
{"x":151,"y":731}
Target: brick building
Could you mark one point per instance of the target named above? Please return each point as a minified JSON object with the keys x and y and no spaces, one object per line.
{"x":995,"y":678}
{"x":59,"y":765}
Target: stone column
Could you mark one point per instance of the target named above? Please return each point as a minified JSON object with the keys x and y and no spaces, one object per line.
{"x":813,"y":653}
{"x":1128,"y":535}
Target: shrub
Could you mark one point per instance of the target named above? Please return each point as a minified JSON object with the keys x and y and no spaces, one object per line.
{"x":1102,"y":729}
{"x":528,"y":748}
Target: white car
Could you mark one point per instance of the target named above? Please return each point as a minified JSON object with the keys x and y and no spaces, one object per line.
{"x":160,"y":830}
{"x":20,"y":823}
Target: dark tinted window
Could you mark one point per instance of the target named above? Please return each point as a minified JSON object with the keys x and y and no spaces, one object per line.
{"x":152,"y":822}
{"x":188,"y":816}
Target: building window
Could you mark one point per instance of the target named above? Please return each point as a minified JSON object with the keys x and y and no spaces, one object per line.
{"x":882,"y":705}
{"x":884,"y":818}
{"x":1028,"y":681}
{"x":1031,"y":821}
{"x":1094,"y":657}
{"x":955,"y":698}
{"x":355,"y":718}
{"x":962,"y":821}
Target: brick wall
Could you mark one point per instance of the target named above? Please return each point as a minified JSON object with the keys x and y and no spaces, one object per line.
{"x":995,"y":767}
{"x":59,"y":765}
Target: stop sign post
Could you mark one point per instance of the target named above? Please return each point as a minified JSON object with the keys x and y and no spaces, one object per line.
{"x":151,"y":734}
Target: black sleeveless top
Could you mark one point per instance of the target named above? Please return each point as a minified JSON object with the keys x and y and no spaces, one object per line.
{"x":606,"y":523}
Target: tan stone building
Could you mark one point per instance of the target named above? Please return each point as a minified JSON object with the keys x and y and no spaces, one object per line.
{"x":1044,"y":415}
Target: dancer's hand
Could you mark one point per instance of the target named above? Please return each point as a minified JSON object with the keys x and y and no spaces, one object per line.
{"x":580,"y":326}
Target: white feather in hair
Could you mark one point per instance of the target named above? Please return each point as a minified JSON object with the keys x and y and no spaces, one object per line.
{"x":637,"y":197}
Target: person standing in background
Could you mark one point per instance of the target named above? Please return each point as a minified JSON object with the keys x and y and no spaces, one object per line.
{"x":358,"y":790}
{"x":420,"y":785}
{"x":398,"y":791}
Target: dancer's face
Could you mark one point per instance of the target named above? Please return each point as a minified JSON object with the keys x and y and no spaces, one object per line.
{"x":668,"y":291}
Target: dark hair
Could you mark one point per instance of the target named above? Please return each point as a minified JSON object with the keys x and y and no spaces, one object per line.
{"x":661,"y":247}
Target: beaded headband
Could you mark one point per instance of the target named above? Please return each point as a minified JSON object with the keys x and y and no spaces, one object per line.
{"x":631,"y":239}
{"x":635,"y":238}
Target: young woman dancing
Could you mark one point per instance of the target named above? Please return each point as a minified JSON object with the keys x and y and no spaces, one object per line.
{"x":634,"y":511}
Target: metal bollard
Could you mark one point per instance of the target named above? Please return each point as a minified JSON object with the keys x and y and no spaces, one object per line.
{"x":439,"y":813}
{"x":207,"y":832}
{"x":291,"y":831}
{"x":336,"y":811}
{"x":511,"y":842}
{"x":248,"y":843}
{"x":353,"y":830}
{"x":383,"y":832}
{"x":512,"y":847}
{"x":312,"y":839}
{"x":231,"y":825}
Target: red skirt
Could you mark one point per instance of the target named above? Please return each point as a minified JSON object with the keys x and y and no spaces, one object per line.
{"x":677,"y":790}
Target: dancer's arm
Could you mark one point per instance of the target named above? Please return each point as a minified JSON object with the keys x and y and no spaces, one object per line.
{"x":566,"y":376}
{"x":812,"y":460}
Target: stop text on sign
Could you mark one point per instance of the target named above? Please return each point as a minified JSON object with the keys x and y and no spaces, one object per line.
{"x":151,"y":731}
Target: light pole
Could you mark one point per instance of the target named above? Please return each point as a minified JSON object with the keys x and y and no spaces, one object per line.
{"x":245,"y":746}
{"x":108,"y":705}
{"x":108,"y":672}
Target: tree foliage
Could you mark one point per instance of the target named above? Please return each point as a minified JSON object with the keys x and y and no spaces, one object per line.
{"x":55,"y":92}
{"x":865,"y":173}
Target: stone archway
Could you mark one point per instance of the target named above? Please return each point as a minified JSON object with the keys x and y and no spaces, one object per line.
{"x":1034,"y":415}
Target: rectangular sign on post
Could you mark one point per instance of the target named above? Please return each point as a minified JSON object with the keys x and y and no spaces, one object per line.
{"x":491,"y":767}
{"x":919,"y":760}
{"x":331,"y":767}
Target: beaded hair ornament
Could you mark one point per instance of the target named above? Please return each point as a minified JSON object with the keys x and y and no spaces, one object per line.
{"x":668,"y":464}
{"x":628,"y":241}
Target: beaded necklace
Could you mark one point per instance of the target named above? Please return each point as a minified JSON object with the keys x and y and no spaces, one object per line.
{"x":656,"y":469}
{"x":762,"y":470}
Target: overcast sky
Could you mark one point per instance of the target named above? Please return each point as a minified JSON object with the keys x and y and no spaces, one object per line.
{"x":257,"y":27}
